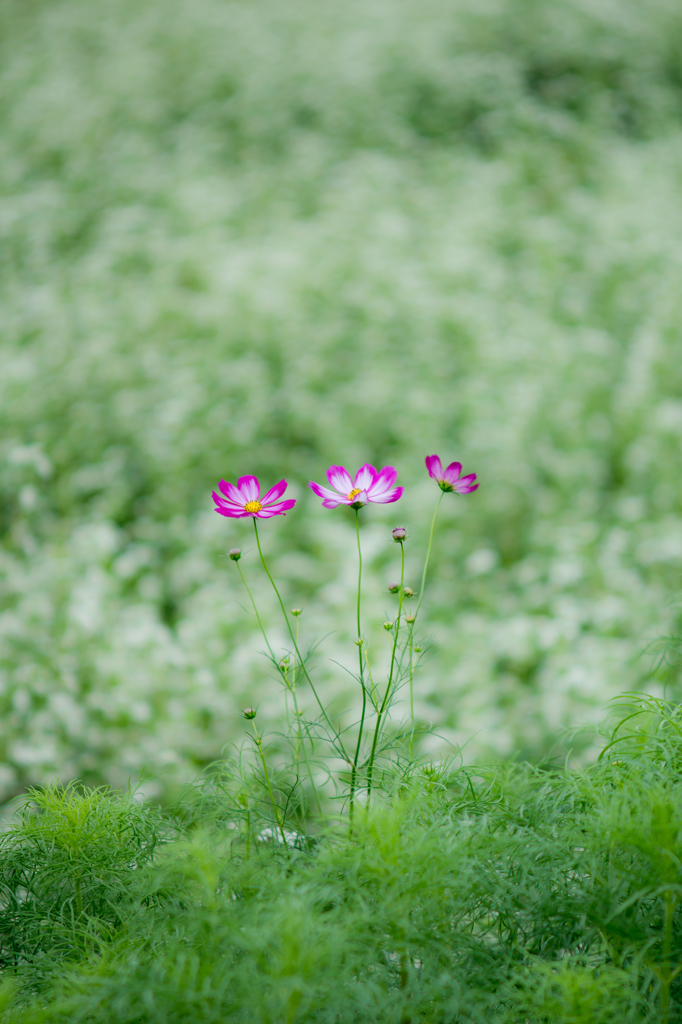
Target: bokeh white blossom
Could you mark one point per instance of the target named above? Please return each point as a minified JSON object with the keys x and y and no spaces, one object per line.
{"x":265,"y":238}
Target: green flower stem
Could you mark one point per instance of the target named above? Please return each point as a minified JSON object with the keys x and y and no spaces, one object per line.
{"x":410,"y":643}
{"x":286,"y":708}
{"x":337,"y":737}
{"x":389,"y":685}
{"x":372,"y":687}
{"x":275,"y":809}
{"x":255,"y":609}
{"x":283,"y":673}
{"x":299,"y":737}
{"x":428,"y":555}
{"x":354,"y":770}
{"x":309,"y":767}
{"x":410,"y":640}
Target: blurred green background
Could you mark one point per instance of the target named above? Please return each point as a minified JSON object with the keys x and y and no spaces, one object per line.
{"x":262,"y":236}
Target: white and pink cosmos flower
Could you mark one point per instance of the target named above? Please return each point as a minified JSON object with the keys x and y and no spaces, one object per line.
{"x":450,"y":479}
{"x":244,"y":500}
{"x":367,"y":487}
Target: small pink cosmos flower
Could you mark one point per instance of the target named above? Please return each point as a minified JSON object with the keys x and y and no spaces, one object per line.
{"x":368,"y":486}
{"x":449,"y":479}
{"x":244,"y":500}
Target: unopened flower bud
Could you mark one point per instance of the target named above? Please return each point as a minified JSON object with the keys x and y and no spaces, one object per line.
{"x":418,"y":650}
{"x":249,"y":713}
{"x":393,"y":588}
{"x":399,"y":534}
{"x":296,"y":611}
{"x":360,"y":641}
{"x":410,"y":618}
{"x":408,"y":591}
{"x":284,"y":663}
{"x":388,"y":625}
{"x":235,"y":554}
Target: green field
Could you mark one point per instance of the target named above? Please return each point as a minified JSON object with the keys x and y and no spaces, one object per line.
{"x":509,"y":896}
{"x":251,"y":237}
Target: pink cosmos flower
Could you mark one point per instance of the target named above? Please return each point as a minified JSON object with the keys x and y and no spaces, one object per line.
{"x":244,"y":500}
{"x":449,"y":479}
{"x":368,"y":486}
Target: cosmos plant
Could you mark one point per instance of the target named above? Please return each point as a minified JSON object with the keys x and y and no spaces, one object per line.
{"x":244,"y":500}
{"x":367,"y":486}
{"x":361,"y":740}
{"x":450,"y":479}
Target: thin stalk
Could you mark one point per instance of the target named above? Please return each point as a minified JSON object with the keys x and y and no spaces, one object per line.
{"x":354,"y":771}
{"x":308,"y":766}
{"x":410,"y":643}
{"x":295,"y":664}
{"x":255,"y":609}
{"x":372,"y":688}
{"x":275,"y":811}
{"x":286,"y":709}
{"x":389,"y":685}
{"x":410,"y":640}
{"x":300,"y":739}
{"x":284,"y":676}
{"x":428,"y":554}
{"x":327,"y":719}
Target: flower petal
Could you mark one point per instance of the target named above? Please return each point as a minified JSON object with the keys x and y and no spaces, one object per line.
{"x":224,"y":503}
{"x":224,"y":510}
{"x":434,"y":466}
{"x":339,"y":478}
{"x":267,"y":513}
{"x":249,"y":487}
{"x":451,"y":474}
{"x":388,"y":496}
{"x":281,"y":507}
{"x":324,"y":492}
{"x":231,"y":492}
{"x":384,"y":482}
{"x":365,"y":477}
{"x":274,"y":493}
{"x":466,"y":484}
{"x":328,"y":503}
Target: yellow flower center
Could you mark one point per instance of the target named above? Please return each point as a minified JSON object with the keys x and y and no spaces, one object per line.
{"x":354,"y":492}
{"x":253,"y":506}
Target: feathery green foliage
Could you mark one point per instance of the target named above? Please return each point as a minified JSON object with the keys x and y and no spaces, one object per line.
{"x":66,"y":867}
{"x":489,"y":896}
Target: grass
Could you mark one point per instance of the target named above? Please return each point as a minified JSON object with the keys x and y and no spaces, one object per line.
{"x":514,"y":894}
